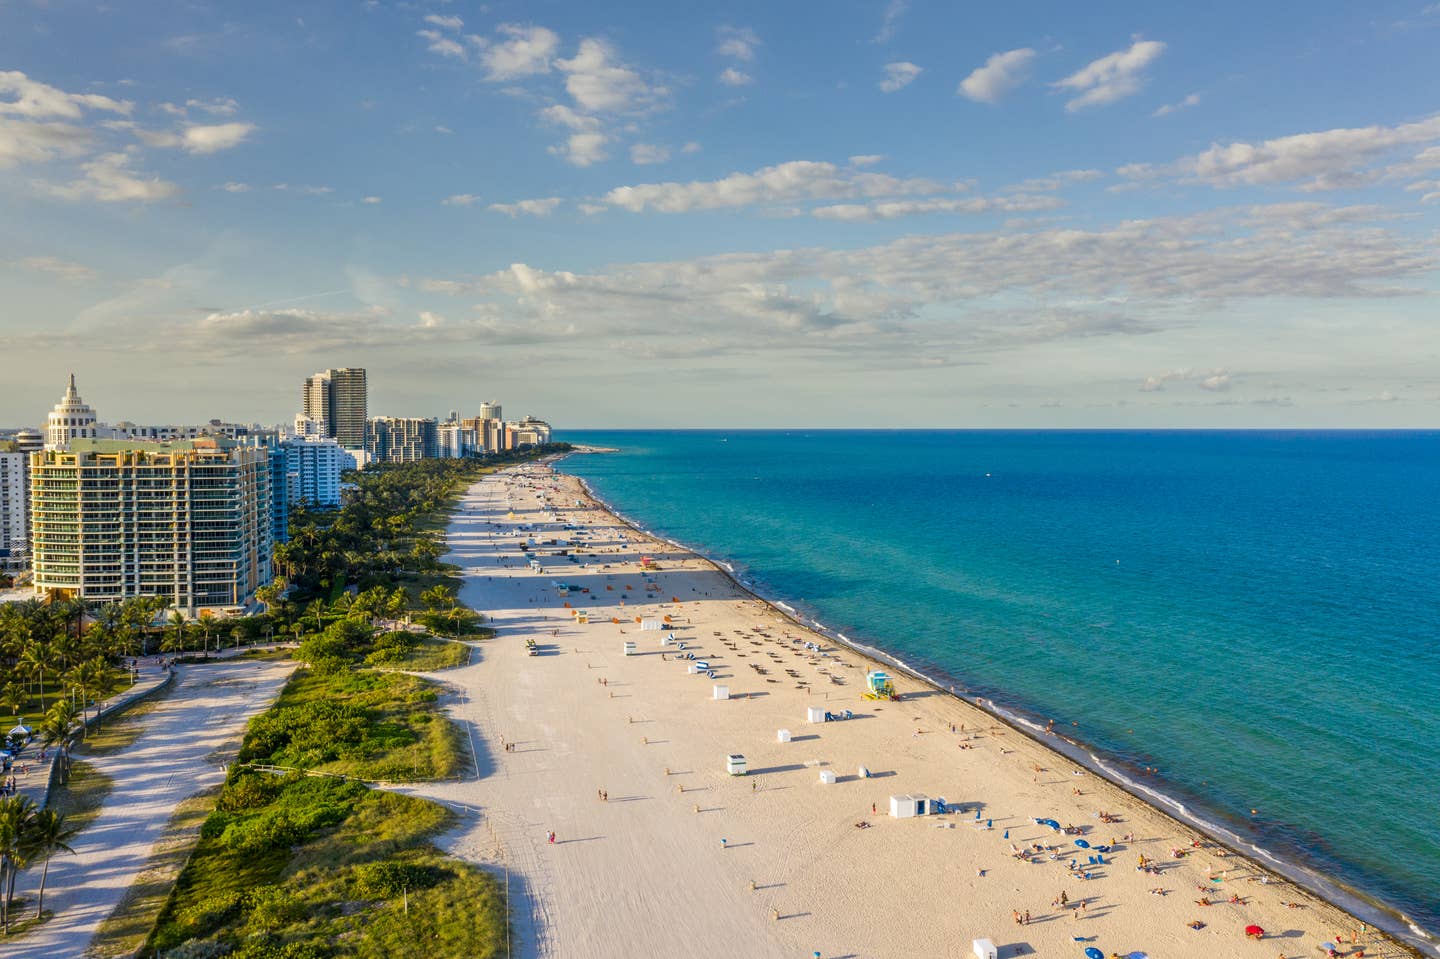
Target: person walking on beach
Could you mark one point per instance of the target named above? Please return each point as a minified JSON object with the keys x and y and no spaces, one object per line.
{"x":551,"y":837}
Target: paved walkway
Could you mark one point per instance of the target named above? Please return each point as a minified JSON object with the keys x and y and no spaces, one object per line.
{"x":168,"y":762}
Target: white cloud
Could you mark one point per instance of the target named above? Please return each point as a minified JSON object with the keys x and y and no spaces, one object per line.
{"x":108,"y":179}
{"x":525,"y":52}
{"x":306,"y":190}
{"x":212,"y":139}
{"x":690,"y":147}
{"x":737,"y":42}
{"x":220,"y":106}
{"x":1112,"y":77}
{"x":1001,"y":73}
{"x":444,"y":23}
{"x":36,"y":100}
{"x":233,"y":187}
{"x":866,"y":159}
{"x":439,"y":128}
{"x":643,"y":154}
{"x":600,"y":83}
{"x":64,"y":269}
{"x":1054,"y":181}
{"x":899,"y":75}
{"x":929,"y":299}
{"x":442,"y":44}
{"x":792,"y":182}
{"x":894,"y":209}
{"x":1213,"y":381}
{"x":460,"y":199}
{"x":1170,"y":108}
{"x":561,"y":115}
{"x":1326,"y":160}
{"x":371,"y":200}
{"x":735,"y":78}
{"x":540,"y":207}
{"x":582,"y":149}
{"x":24,"y":141}
{"x":894,"y":10}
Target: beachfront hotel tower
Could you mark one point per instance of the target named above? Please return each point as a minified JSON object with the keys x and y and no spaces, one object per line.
{"x":335,"y":401}
{"x":188,"y":520}
{"x":71,"y":419}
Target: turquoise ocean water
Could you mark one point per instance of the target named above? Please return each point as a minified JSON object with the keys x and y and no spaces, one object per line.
{"x":1255,"y":614}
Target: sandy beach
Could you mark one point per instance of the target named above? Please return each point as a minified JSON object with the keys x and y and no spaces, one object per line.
{"x":659,"y":851}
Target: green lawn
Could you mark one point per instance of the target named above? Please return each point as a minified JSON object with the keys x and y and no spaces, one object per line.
{"x":79,"y":801}
{"x":315,"y":867}
{"x":431,"y":655}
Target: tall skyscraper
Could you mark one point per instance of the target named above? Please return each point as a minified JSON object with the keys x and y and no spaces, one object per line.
{"x":401,"y":439}
{"x":336,"y":400}
{"x":188,"y":520}
{"x":490,"y":411}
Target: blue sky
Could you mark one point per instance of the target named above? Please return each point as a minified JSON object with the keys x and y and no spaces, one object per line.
{"x":825,"y":214}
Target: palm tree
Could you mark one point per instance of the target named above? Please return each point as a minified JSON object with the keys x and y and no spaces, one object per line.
{"x":37,"y":660}
{"x":16,"y":812}
{"x":177,"y":623}
{"x":47,"y":834}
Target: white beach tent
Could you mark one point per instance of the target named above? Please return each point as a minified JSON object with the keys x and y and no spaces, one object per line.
{"x":722,"y":692}
{"x":782,"y":735}
{"x":814,"y":714}
{"x":827,"y":777}
{"x":984,"y":949}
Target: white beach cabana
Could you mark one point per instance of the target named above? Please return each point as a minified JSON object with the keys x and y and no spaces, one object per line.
{"x":735,"y":764}
{"x":721,"y":692}
{"x":827,"y":777}
{"x":984,"y":949}
{"x":782,"y":735}
{"x":814,"y":714}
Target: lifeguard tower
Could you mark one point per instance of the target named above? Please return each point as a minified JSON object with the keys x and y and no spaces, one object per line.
{"x":878,"y":685}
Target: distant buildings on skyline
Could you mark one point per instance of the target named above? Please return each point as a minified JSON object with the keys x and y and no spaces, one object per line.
{"x":104,"y":512}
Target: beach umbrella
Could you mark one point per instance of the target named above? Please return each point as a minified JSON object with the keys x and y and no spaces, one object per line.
{"x":1092,"y":953}
{"x":1082,"y":844}
{"x":1254,"y":931}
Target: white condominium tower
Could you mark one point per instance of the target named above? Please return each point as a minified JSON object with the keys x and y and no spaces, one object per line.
{"x":335,"y":400}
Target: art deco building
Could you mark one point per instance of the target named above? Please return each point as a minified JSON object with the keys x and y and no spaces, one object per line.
{"x":72,"y":418}
{"x":188,"y":520}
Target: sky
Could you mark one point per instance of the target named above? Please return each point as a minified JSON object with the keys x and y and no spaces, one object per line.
{"x":865,"y":213}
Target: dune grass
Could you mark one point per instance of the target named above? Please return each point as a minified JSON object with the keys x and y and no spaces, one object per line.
{"x":302,"y":867}
{"x":363,"y":723}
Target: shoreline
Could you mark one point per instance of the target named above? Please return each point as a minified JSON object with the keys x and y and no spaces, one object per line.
{"x":1330,"y":890}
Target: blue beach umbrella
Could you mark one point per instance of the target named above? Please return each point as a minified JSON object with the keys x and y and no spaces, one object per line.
{"x":1007,"y":834}
{"x":1082,"y":844}
{"x":1093,"y":953}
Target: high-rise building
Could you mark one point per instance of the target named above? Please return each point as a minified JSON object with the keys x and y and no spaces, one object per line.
{"x":304,"y":471}
{"x":531,"y":432}
{"x":398,"y":439}
{"x":336,"y":401}
{"x":490,"y":411}
{"x":71,"y":419}
{"x":14,"y":507}
{"x":188,"y":520}
{"x":457,"y":440}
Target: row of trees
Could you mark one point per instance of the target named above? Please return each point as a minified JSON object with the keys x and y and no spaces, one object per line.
{"x":28,"y":834}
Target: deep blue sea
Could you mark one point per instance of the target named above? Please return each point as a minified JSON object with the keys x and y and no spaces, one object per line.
{"x":1256,"y":614}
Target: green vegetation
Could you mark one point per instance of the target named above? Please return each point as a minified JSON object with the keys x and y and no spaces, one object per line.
{"x":300,"y":867}
{"x":82,"y":794}
{"x":364,"y":724}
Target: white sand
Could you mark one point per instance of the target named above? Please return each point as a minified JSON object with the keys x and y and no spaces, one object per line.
{"x":169,"y":761}
{"x":645,"y":874}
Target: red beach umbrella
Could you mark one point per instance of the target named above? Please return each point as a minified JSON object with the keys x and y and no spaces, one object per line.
{"x":1254,"y":932}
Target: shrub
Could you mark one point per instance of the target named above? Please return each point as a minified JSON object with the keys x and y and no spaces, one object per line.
{"x":250,"y":790}
{"x":387,"y":879}
{"x":314,"y":732}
